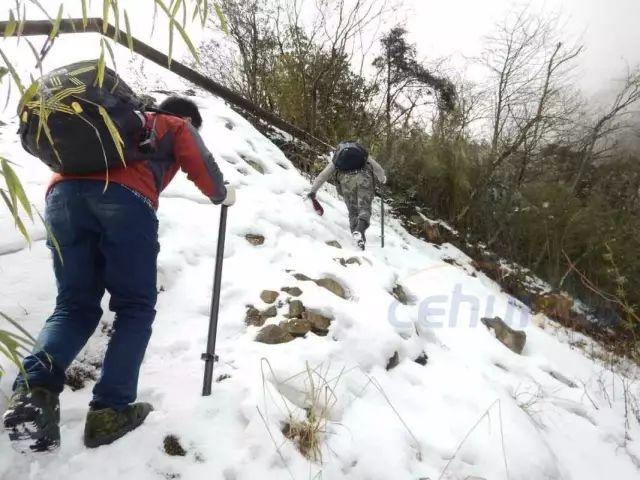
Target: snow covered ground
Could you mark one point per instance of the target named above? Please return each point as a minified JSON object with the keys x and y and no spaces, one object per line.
{"x":475,"y":410}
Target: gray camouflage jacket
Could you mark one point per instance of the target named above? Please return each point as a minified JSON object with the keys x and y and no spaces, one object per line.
{"x":330,"y":169}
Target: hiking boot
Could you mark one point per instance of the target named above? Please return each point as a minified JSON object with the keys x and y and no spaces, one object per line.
{"x":32,"y":420}
{"x":359,"y":240}
{"x":107,"y":425}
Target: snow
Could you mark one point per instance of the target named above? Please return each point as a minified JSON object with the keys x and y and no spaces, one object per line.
{"x":476,"y":410}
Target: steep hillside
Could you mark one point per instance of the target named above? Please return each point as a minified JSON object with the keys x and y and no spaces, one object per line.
{"x":390,"y":390}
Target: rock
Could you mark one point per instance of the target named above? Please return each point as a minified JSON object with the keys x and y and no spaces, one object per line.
{"x":433,"y":234}
{"x":297,"y":327}
{"x":333,"y":286}
{"x":254,"y":239}
{"x":349,"y":261}
{"x":256,"y":166}
{"x":556,"y":306}
{"x":270,"y":312}
{"x":78,"y":374}
{"x":296,"y":309}
{"x":293,"y":291}
{"x":422,"y":359}
{"x":562,"y":379}
{"x":273,"y":334}
{"x":302,"y":277}
{"x":268,"y":296}
{"x":512,"y":339}
{"x":222,"y":377}
{"x":400,"y":295}
{"x":172,"y":446}
{"x":334,"y":243}
{"x":319,"y":323}
{"x":394,"y":361}
{"x":253,"y":317}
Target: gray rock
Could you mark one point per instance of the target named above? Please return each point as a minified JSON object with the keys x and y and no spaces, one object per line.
{"x":293,"y":291}
{"x":254,"y":317}
{"x":254,"y":239}
{"x":334,"y":243}
{"x":400,"y":295}
{"x":301,"y":276}
{"x":270,"y":312}
{"x":319,"y":323}
{"x":273,"y":335}
{"x":268,"y":296}
{"x":333,"y":286}
{"x":394,"y":361}
{"x":422,"y":359}
{"x":562,"y":379}
{"x":514,"y":340}
{"x":296,"y":309}
{"x":296,"y":327}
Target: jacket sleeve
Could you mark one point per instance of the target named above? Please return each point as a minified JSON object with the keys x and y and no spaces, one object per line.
{"x":378,"y":171}
{"x":323,"y":177}
{"x":198,"y":163}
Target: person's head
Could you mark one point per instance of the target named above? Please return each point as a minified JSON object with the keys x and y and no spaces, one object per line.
{"x":182,"y":107}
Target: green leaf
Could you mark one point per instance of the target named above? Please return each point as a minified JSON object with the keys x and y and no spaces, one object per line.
{"x":128,"y":27}
{"x":15,"y":187}
{"x":16,"y":217}
{"x":101,"y":65}
{"x":222,"y":17}
{"x":105,"y":16}
{"x":14,"y":73}
{"x":12,"y":25}
{"x":56,"y":24}
{"x":85,"y":17}
{"x":183,"y":33}
{"x":113,"y":131}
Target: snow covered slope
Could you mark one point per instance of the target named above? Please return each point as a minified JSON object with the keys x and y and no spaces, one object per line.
{"x":475,"y":410}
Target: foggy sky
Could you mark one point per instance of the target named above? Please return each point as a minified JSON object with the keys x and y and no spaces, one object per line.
{"x":609,"y":29}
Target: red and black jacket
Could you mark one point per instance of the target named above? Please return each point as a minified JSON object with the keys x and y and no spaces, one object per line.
{"x":178,"y":145}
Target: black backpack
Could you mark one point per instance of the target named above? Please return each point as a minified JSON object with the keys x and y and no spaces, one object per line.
{"x":77,"y":138}
{"x":350,"y":156}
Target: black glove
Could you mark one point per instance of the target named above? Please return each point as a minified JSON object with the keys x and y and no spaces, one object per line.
{"x":311,"y":195}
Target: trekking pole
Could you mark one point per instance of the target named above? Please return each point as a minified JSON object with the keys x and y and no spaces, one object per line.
{"x":382,"y":218}
{"x":210,"y":356}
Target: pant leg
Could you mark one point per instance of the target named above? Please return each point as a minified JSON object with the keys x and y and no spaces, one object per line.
{"x":80,"y":288}
{"x":130,"y":247}
{"x":349,"y":188}
{"x":366,"y":193}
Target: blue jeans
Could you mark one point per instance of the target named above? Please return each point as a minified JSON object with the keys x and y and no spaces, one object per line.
{"x":108,"y":240}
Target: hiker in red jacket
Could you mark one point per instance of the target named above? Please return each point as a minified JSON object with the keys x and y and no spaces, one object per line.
{"x":107,"y":232}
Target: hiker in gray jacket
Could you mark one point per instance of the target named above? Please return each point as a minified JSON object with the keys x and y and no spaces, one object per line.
{"x":356,"y":173}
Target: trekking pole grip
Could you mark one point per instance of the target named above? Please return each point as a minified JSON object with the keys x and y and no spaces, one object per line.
{"x":210,"y":355}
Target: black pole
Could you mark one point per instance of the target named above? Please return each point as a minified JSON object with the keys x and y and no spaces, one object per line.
{"x":382,"y":218}
{"x":210,"y":356}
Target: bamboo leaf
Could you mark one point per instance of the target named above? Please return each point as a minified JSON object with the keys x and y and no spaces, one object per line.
{"x":85,"y":17}
{"x":113,"y":131}
{"x":18,"y":327}
{"x":116,"y":15}
{"x":13,"y":183}
{"x":14,"y":73}
{"x":128,"y":27}
{"x":56,"y":24}
{"x":12,"y":25}
{"x":18,"y":221}
{"x":183,"y":33}
{"x":105,"y":15}
{"x":101,"y":65}
{"x":222,"y":17}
